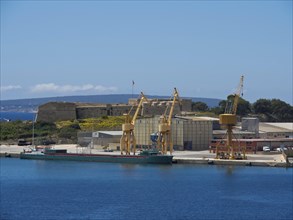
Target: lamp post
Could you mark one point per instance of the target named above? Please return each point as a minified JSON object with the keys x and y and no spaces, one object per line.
{"x":33,"y":135}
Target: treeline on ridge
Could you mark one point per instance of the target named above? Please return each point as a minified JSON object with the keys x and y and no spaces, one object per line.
{"x":267,"y":110}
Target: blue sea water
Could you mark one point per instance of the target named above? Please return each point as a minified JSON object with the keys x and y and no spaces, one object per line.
{"x":12,"y":116}
{"x":80,"y":190}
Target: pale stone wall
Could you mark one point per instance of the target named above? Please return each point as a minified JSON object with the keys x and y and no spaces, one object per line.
{"x":91,"y":112}
{"x":61,"y":111}
{"x":56,"y":111}
{"x":117,"y":110}
{"x":159,"y":108}
{"x":102,"y":110}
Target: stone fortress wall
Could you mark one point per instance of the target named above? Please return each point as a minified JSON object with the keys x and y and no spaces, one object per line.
{"x":62,"y":111}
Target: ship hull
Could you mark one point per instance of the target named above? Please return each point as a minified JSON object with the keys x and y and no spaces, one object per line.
{"x":151,"y":159}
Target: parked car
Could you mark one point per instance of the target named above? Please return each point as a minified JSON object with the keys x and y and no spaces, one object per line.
{"x":281,"y":149}
{"x":47,"y":142}
{"x":266,"y":149}
{"x":108,"y":150}
{"x":23,"y":142}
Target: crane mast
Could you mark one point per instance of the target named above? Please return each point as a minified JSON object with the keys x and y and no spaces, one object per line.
{"x":165,"y":133}
{"x":229,"y":120}
{"x":128,"y":139}
{"x":237,"y":95}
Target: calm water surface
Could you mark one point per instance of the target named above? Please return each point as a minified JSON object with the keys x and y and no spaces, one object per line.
{"x":13,"y":116}
{"x":75,"y":190}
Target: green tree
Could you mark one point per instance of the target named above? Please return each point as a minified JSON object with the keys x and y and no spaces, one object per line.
{"x":244,"y":107}
{"x":274,"y":110}
{"x":262,"y":106}
{"x":281,"y":110}
{"x":220,"y":109}
{"x":68,"y":132}
{"x":200,"y":106}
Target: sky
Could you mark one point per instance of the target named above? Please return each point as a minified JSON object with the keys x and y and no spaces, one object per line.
{"x":62,"y":48}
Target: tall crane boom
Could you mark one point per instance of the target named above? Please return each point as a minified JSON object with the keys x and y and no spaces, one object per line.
{"x":237,"y":95}
{"x":128,"y":139}
{"x":175,"y":97}
{"x":165,"y":133}
{"x":142,"y":100}
{"x":229,"y":119}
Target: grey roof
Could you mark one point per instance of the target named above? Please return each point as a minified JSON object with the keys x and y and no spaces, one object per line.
{"x":264,"y":140}
{"x":235,"y":131}
{"x":283,"y":125}
{"x":198,"y":118}
{"x":113,"y":133}
{"x":276,"y":127}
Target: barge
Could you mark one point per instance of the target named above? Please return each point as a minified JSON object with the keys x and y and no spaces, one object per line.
{"x":144,"y":157}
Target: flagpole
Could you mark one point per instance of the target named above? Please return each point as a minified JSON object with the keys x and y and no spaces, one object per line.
{"x":132,"y":88}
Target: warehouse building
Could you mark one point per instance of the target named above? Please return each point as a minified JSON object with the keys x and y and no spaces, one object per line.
{"x":196,"y":133}
{"x":105,"y":138}
{"x":188,"y":133}
{"x":251,"y":128}
{"x":275,"y":130}
{"x":253,"y":135}
{"x":253,"y":145}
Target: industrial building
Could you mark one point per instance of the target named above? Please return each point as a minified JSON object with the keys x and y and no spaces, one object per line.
{"x":253,"y":135}
{"x":275,"y":130}
{"x":105,"y":138}
{"x":188,"y":133}
{"x":98,"y":138}
{"x":251,"y":128}
{"x":254,"y":145}
{"x":197,"y":133}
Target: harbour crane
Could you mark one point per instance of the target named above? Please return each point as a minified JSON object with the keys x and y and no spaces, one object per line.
{"x":165,"y":133}
{"x":229,"y":119}
{"x":128,"y":139}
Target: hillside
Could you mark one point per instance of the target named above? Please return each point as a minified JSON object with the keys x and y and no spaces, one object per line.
{"x":28,"y":105}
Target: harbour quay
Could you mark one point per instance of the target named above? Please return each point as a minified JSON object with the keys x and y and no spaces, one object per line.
{"x":269,"y":159}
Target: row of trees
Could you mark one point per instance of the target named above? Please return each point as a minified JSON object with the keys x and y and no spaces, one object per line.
{"x":269,"y":110}
{"x":52,"y":132}
{"x":42,"y":131}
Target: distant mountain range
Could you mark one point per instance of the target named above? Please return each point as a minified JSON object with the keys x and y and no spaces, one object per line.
{"x":29,"y":105}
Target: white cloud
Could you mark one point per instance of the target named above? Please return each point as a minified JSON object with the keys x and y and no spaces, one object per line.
{"x":10,"y":87}
{"x":52,"y":87}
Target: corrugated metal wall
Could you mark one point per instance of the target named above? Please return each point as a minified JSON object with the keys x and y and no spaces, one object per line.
{"x":187,"y":134}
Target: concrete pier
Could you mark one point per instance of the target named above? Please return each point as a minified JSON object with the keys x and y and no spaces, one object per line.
{"x":180,"y":157}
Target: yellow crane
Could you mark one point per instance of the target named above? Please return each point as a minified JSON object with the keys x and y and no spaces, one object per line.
{"x":128,"y":139}
{"x":165,"y":133}
{"x":229,"y":120}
